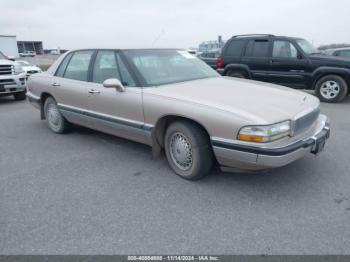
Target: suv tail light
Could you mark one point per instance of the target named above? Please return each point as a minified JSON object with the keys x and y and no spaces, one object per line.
{"x":219,"y":63}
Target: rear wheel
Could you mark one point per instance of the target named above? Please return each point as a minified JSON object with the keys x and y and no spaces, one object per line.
{"x":55,"y":120}
{"x":20,"y":96}
{"x":188,"y":150}
{"x":331,"y":89}
{"x":236,"y":74}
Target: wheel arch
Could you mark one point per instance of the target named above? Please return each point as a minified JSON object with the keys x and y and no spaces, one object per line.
{"x":326,"y":71}
{"x":238,"y":68}
{"x":158,"y":132}
{"x":43,"y":98}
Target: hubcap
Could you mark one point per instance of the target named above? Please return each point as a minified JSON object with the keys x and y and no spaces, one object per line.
{"x":53,"y":116}
{"x":330,"y":89}
{"x":181,"y":151}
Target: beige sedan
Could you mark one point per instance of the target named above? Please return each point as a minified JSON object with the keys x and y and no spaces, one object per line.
{"x":171,"y":101}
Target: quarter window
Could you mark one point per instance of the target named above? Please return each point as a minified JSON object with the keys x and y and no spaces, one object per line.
{"x":345,"y":53}
{"x":105,"y":67}
{"x":63,"y":65}
{"x":284,"y":49}
{"x":78,"y":67}
{"x":235,"y":48}
{"x":257,"y":48}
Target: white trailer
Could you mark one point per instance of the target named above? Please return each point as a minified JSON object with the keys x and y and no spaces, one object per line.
{"x":8,"y":45}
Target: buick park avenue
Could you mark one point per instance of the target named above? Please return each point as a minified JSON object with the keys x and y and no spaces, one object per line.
{"x":172,"y":101}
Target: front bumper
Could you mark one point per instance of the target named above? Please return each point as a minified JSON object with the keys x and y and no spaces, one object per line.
{"x":11,"y":84}
{"x":33,"y":99}
{"x":230,"y":155}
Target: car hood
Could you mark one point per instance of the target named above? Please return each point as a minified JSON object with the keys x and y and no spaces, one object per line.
{"x":336,"y":60}
{"x":253,"y":101}
{"x":31,"y":68}
{"x":6,"y":62}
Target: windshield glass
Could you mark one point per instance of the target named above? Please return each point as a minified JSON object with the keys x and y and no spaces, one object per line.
{"x":307,"y":47}
{"x":2,"y":56}
{"x":160,"y":67}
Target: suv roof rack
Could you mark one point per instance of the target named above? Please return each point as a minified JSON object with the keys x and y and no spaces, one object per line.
{"x":252,"y":35}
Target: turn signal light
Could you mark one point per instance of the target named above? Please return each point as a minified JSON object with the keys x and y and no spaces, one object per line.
{"x":259,"y":139}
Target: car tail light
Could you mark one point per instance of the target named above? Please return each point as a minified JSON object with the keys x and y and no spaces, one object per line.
{"x":219,"y":63}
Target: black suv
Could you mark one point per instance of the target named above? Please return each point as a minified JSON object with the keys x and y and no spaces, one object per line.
{"x":288,"y":61}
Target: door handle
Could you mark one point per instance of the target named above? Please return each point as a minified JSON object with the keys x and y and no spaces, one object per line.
{"x":55,"y":84}
{"x":93,"y":91}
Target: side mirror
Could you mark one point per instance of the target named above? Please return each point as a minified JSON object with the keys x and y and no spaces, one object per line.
{"x":300,"y":56}
{"x":114,"y":83}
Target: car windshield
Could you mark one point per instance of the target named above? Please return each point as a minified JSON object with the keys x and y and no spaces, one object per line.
{"x":2,"y":56}
{"x":160,"y":67}
{"x":307,"y":47}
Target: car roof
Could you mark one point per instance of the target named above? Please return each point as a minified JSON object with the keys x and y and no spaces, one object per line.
{"x":264,"y":36}
{"x":338,"y":49}
{"x":127,"y":49}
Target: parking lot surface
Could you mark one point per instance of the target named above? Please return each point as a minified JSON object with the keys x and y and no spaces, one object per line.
{"x":90,"y":193}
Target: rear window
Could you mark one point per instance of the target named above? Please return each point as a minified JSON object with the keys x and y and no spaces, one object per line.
{"x":235,"y":48}
{"x":257,"y":48}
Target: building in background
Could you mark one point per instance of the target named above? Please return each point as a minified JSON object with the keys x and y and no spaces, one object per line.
{"x":8,"y":45}
{"x":35,"y":46}
{"x":210,"y":46}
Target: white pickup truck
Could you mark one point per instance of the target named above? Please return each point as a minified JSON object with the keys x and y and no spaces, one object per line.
{"x":12,"y":79}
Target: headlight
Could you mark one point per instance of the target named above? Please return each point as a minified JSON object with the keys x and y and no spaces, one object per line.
{"x":18,"y":70}
{"x":262,"y":134}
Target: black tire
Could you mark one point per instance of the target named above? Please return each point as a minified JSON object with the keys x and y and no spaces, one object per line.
{"x":331,"y":89}
{"x":189,"y":137}
{"x":55,"y":120}
{"x":20,"y":96}
{"x":236,"y":74}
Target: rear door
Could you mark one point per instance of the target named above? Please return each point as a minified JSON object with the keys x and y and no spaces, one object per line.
{"x":288,"y":66}
{"x":256,"y":57}
{"x":114,"y":112}
{"x":70,"y":86}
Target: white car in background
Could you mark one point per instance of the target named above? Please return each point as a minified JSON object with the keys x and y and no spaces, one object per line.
{"x":28,"y":68}
{"x":27,"y":54}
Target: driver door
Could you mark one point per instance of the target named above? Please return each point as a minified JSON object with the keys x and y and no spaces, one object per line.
{"x":115,"y":112}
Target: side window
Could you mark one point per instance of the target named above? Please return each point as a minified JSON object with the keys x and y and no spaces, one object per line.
{"x":257,"y":48}
{"x":63,"y":66}
{"x":126,"y":77}
{"x":235,"y":48}
{"x":105,"y":67}
{"x":345,"y":53}
{"x":284,"y":49}
{"x":78,"y":67}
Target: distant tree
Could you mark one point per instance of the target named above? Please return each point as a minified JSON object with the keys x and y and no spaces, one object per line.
{"x":332,"y":46}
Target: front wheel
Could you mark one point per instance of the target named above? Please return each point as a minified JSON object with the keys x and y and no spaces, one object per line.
{"x":55,"y":120}
{"x":188,"y":150}
{"x":331,"y":89}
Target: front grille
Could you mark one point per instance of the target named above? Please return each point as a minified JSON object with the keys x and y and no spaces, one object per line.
{"x":7,"y":82}
{"x":305,"y":122}
{"x":6,"y":69}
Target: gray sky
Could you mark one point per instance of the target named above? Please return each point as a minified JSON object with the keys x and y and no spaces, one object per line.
{"x":170,"y":23}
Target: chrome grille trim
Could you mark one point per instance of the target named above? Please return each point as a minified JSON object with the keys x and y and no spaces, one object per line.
{"x":6,"y":69}
{"x":304,"y":122}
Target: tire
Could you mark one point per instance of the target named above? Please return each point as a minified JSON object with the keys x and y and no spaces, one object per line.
{"x":331,"y":89}
{"x":236,"y":74}
{"x":55,"y":120}
{"x":184,"y":137}
{"x":20,"y":96}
